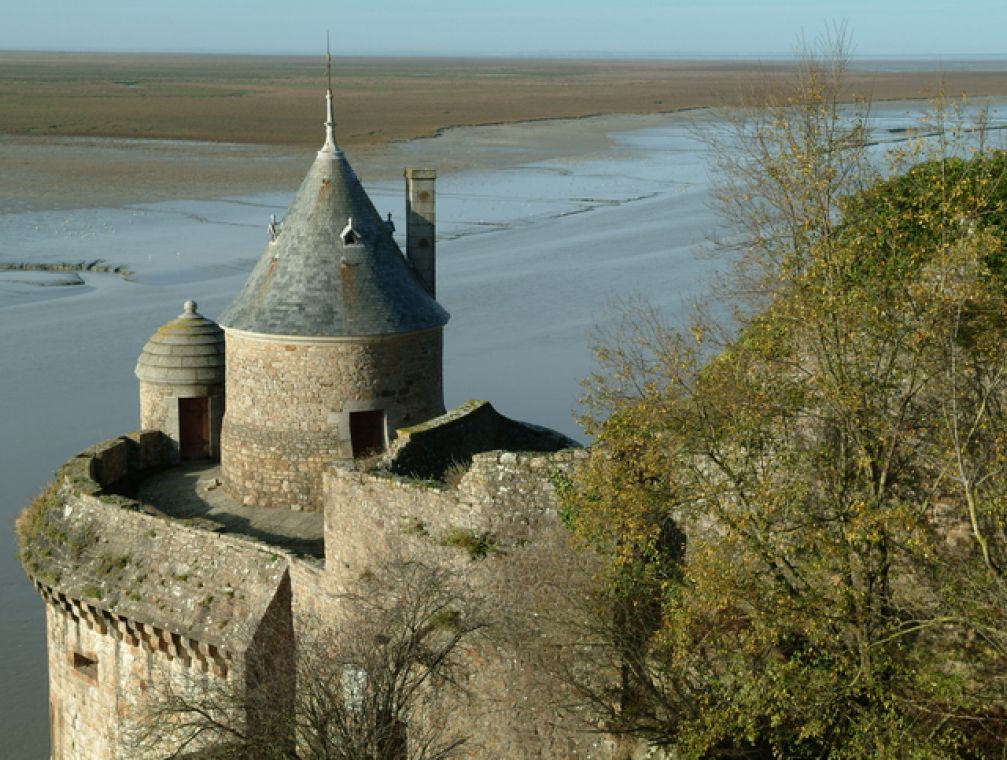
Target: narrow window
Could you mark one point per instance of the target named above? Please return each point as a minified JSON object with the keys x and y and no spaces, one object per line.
{"x":87,"y":666}
{"x":367,"y":432}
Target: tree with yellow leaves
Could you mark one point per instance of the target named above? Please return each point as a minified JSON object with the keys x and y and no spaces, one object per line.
{"x":837,"y":464}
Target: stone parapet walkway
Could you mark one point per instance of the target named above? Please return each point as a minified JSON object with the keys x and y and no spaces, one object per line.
{"x":193,"y":493}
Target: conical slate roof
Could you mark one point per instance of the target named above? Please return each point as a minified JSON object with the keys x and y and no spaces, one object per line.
{"x":188,"y":350}
{"x":334,"y":269}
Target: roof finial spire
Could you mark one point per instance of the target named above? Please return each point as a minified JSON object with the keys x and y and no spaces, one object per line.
{"x":328,"y":60}
{"x":330,"y":119}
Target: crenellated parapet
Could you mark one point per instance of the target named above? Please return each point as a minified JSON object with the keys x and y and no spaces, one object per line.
{"x":134,"y":597}
{"x":198,"y":654}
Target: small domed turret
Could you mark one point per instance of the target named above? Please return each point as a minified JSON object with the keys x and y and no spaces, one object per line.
{"x":181,"y":373}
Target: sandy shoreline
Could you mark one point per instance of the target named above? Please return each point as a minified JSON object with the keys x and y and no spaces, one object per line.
{"x":275,"y":100}
{"x":69,"y":172}
{"x":64,"y":172}
{"x":77,"y":129}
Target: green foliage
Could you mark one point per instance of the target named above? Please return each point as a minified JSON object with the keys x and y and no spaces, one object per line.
{"x":92,"y":592}
{"x":563,"y":486}
{"x":34,"y":519}
{"x":900,"y":218}
{"x":45,"y":538}
{"x":109,"y":564}
{"x":478,"y":545}
{"x":37,"y":537}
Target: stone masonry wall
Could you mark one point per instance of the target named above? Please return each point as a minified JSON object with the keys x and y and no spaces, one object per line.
{"x":97,"y":685}
{"x":186,"y":606}
{"x":159,"y":411}
{"x":314,"y":596}
{"x":289,"y":401}
{"x":429,"y":449}
{"x":498,"y":529}
{"x":133,"y":599}
{"x":502,"y":498}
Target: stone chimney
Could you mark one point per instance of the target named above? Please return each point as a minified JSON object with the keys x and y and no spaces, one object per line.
{"x":421,"y":220}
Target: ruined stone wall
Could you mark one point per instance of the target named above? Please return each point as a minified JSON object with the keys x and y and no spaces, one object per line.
{"x":159,"y":411}
{"x":289,"y":402}
{"x":501,"y":499}
{"x":499,"y":530}
{"x":450,"y":441}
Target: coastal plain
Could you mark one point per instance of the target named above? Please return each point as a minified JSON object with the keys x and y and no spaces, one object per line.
{"x":79,"y":130}
{"x":274,"y":100}
{"x":573,"y":189}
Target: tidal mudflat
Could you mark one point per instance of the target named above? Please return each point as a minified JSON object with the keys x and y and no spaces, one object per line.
{"x":274,"y":99}
{"x":534,"y":248}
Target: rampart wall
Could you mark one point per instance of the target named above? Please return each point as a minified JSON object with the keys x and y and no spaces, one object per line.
{"x":133,"y":598}
{"x":497,"y":528}
{"x":433,"y":447}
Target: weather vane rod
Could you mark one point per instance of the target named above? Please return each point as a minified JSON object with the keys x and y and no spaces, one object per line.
{"x":328,"y":60}
{"x":330,"y":118}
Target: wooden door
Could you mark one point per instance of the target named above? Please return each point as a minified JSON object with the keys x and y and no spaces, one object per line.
{"x":194,"y":428}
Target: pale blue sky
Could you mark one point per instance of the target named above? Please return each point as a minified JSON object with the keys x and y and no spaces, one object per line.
{"x":941,"y":28}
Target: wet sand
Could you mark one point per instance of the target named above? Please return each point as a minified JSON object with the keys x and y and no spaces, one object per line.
{"x":89,"y":130}
{"x":88,"y":172}
{"x":276,"y":100}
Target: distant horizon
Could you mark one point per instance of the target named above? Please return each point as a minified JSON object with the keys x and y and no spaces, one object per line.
{"x":528,"y":55}
{"x":728,"y":29}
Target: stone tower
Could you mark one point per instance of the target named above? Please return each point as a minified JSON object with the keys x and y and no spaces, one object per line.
{"x":333,"y":344}
{"x":181,"y":373}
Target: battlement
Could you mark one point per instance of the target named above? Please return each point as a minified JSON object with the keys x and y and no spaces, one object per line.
{"x":134,"y":633}
{"x":499,"y":502}
{"x":121,"y":566}
{"x":130,"y":592}
{"x":450,"y":441}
